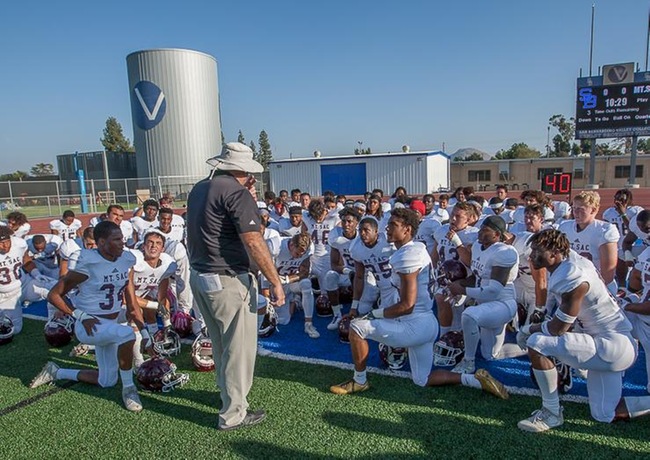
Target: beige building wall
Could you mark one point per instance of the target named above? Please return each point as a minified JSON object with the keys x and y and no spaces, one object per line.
{"x":611,"y":172}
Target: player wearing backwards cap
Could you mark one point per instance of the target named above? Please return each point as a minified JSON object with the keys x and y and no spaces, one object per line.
{"x":494,"y":268}
{"x":603,"y":343}
{"x":593,"y":239}
{"x":342,"y":264}
{"x":453,"y":242}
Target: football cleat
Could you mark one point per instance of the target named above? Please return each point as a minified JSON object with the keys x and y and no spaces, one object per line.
{"x":6,"y":329}
{"x":393,"y":357}
{"x":466,"y":366}
{"x":159,"y":374}
{"x":491,"y":385}
{"x":541,"y":420}
{"x":131,"y":399}
{"x":311,"y":331}
{"x":47,"y":375}
{"x":349,"y":387}
{"x":334,"y":324}
{"x":58,"y":331}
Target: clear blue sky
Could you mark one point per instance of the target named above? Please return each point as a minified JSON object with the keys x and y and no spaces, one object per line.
{"x":314,"y":75}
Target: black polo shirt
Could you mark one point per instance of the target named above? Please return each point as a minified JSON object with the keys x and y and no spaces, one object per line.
{"x":218,"y":210}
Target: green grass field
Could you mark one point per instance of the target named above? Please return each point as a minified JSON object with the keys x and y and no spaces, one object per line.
{"x":395,"y":419}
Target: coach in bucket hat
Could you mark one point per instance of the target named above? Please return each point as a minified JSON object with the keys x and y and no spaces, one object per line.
{"x":236,"y":156}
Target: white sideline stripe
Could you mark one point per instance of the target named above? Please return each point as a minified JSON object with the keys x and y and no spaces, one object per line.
{"x":375,"y":370}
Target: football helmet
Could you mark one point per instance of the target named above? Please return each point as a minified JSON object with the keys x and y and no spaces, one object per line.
{"x":564,"y":377}
{"x":269,"y":323}
{"x":450,"y":271}
{"x":6,"y":329}
{"x":449,"y":349}
{"x":182,"y":323}
{"x":393,"y":357}
{"x":159,"y":374}
{"x":58,"y":331}
{"x":323,"y":306}
{"x":202,"y":357}
{"x":344,"y":329}
{"x":166,"y":342}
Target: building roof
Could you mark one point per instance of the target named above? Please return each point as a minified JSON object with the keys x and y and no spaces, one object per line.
{"x":361,"y":157}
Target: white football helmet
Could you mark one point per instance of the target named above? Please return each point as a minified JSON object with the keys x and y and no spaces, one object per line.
{"x":394,"y":357}
{"x":202,"y":357}
{"x":449,"y":349}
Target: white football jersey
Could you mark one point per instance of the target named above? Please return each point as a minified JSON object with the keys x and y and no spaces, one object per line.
{"x":439,"y":214}
{"x":102,"y":293}
{"x":47,"y":257}
{"x":272,"y":239}
{"x":127,"y":232}
{"x":147,"y":278}
{"x":342,"y":244}
{"x":287,"y":265}
{"x":375,"y":259}
{"x":612,"y":216}
{"x":70,"y":247}
{"x":643,"y":236}
{"x":495,"y":255}
{"x":176,"y":250}
{"x":524,"y":276}
{"x":643,"y":265}
{"x":11,"y":265}
{"x":66,"y":231}
{"x":426,"y":230}
{"x":412,"y":257}
{"x":175,"y":234}
{"x":141,"y":225}
{"x":587,"y":242}
{"x":561,"y":210}
{"x":286,"y":229}
{"x":446,"y":249}
{"x":319,"y":232}
{"x":599,"y":313}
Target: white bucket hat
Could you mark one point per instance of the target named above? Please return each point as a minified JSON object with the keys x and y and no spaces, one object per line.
{"x":235,"y":156}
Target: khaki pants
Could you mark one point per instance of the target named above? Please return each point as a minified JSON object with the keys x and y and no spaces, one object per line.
{"x":231,"y":318}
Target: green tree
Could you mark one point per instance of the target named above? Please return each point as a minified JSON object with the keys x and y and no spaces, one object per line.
{"x":472,"y":157}
{"x":643,"y":146}
{"x":566,"y":132}
{"x":42,"y":169}
{"x":256,"y":154}
{"x":114,"y":140}
{"x":265,"y":153}
{"x":240,"y":137}
{"x":15,"y":176}
{"x":517,"y":150}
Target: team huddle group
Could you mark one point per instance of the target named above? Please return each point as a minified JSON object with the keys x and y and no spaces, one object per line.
{"x":432,"y":281}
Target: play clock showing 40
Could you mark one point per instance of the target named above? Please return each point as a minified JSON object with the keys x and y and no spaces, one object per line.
{"x":613,"y":111}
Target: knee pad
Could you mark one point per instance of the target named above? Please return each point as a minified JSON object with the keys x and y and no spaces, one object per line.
{"x":304,"y":285}
{"x":331,"y":282}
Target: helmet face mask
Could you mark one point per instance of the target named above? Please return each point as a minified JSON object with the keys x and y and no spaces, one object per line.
{"x":6,"y":329}
{"x":58,"y":331}
{"x":159,"y":374}
{"x":449,"y":349}
{"x":269,"y":324}
{"x":393,"y":357}
{"x":202,"y":357}
{"x":166,"y":342}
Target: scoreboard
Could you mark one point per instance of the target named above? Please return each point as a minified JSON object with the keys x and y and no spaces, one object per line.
{"x":615,"y":110}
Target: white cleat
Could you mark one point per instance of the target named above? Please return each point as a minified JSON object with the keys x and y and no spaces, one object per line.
{"x":541,"y":420}
{"x":131,"y":399}
{"x":334,"y":325}
{"x":466,"y":366}
{"x":47,"y":375}
{"x":311,"y":331}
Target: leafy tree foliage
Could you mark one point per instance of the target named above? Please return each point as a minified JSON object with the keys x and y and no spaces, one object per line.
{"x":265,"y":153}
{"x":15,"y":176}
{"x":472,"y":157}
{"x":114,"y":140}
{"x":240,"y":137}
{"x":562,"y":146}
{"x":517,"y":150}
{"x":643,"y":146}
{"x":42,"y":169}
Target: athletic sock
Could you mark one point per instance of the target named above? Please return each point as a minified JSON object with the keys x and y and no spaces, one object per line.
{"x":336,"y":309}
{"x":468,"y":380}
{"x":67,"y":374}
{"x":547,"y":383}
{"x":360,"y":377}
{"x":127,"y":378}
{"x":444,"y":330}
{"x":260,"y":320}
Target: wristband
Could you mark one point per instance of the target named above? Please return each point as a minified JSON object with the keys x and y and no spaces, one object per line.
{"x":628,"y":257}
{"x":559,"y":314}
{"x":152,"y":304}
{"x":78,"y":314}
{"x":355,"y":305}
{"x":456,"y":240}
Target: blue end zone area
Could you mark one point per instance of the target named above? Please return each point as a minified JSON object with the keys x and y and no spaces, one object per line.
{"x":291,"y":342}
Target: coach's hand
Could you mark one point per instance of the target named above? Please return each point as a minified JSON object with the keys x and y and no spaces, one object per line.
{"x":277,"y":294}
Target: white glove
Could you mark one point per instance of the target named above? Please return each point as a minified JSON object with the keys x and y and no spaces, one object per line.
{"x":347,"y":270}
{"x":522,"y":336}
{"x":284,"y":279}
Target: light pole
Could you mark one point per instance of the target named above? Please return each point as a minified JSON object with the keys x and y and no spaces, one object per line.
{"x":548,"y":141}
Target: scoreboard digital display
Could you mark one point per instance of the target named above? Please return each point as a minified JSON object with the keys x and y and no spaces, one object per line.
{"x":557,"y":183}
{"x":613,"y":110}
